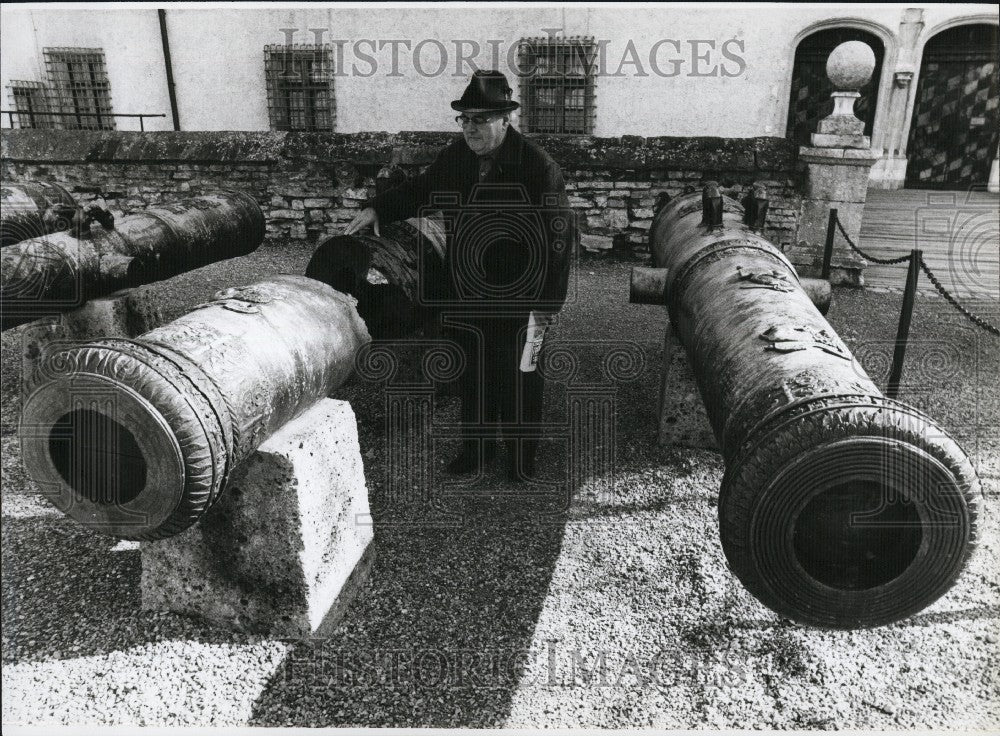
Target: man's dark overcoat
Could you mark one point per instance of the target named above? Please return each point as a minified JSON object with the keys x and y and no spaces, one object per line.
{"x":520,"y":170}
{"x":510,"y":242}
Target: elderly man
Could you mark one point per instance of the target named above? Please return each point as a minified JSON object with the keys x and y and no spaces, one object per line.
{"x":510,"y":241}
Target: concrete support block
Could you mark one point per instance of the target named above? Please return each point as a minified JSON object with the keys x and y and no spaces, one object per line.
{"x":288,"y":545}
{"x":128,"y":313}
{"x":682,"y":418}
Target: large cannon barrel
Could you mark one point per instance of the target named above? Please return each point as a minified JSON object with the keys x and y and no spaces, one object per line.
{"x":61,"y":271}
{"x":389,"y":274}
{"x":839,"y":507}
{"x":32,"y":209}
{"x":136,"y":438}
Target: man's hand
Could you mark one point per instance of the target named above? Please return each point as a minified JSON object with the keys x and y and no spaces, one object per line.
{"x":544,"y":318}
{"x":363,"y":219}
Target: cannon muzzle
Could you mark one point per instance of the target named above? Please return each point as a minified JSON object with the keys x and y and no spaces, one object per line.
{"x":839,"y":507}
{"x":137,"y":438}
{"x":61,"y":271}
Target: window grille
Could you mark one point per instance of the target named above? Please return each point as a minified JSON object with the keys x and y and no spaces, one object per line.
{"x":78,"y":84}
{"x":29,"y":101}
{"x":300,"y":87}
{"x":557,"y":84}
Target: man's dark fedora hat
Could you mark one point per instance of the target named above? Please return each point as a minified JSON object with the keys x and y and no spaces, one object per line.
{"x":488,"y":91}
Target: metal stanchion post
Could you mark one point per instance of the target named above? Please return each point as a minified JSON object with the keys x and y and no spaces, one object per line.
{"x":831,"y":227}
{"x":905,"y":315}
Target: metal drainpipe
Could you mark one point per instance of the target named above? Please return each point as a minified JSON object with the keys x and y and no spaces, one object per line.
{"x":170,"y":70}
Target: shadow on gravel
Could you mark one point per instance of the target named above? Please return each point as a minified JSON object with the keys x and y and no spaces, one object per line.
{"x":438,"y":636}
{"x":68,"y":593}
{"x":443,"y":632}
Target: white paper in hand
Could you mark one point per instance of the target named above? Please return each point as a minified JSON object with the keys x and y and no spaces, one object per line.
{"x":532,"y":343}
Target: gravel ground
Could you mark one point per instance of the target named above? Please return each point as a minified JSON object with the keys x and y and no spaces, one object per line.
{"x":492,"y":607}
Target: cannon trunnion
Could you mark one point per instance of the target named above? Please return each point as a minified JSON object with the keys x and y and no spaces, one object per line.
{"x":839,"y":507}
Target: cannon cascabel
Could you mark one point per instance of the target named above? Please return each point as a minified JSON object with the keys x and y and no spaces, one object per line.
{"x":61,"y":271}
{"x":32,"y":209}
{"x":839,"y":507}
{"x":136,"y":438}
{"x":387,"y":274}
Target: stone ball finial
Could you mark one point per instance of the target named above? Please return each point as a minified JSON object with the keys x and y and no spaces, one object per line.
{"x":850,"y":65}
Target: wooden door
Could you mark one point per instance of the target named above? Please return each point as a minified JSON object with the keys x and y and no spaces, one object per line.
{"x":956,"y":115}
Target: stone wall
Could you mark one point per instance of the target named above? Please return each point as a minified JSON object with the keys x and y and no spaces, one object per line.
{"x":311,"y":184}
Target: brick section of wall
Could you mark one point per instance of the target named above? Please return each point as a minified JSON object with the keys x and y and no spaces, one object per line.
{"x":311,"y":184}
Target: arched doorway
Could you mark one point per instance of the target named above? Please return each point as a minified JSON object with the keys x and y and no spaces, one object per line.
{"x":956,"y":112}
{"x":810,"y":98}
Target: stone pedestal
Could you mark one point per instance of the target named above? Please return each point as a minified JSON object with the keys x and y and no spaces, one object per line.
{"x":838,"y":165}
{"x":835,"y":178}
{"x":682,"y":418}
{"x":128,"y":313}
{"x":287,"y":546}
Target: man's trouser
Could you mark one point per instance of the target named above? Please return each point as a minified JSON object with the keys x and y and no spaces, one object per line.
{"x":496,"y":395}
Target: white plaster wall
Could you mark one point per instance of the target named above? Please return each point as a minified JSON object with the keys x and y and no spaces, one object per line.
{"x":219,"y":69}
{"x":233,"y":95}
{"x":131,"y":43}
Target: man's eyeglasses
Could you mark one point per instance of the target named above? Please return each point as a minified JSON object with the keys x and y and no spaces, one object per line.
{"x":474,"y":119}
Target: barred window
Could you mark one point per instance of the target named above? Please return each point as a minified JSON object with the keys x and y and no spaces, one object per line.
{"x":30,"y":101}
{"x":557,"y":84}
{"x":300,"y":87}
{"x":79,"y":88}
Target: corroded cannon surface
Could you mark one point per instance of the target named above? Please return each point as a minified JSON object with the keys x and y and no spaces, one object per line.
{"x":137,"y":438}
{"x":839,"y":507}
{"x":32,"y":209}
{"x":384,"y":272}
{"x":61,"y":271}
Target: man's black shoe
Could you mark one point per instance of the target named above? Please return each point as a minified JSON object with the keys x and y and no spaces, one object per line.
{"x":521,"y":460}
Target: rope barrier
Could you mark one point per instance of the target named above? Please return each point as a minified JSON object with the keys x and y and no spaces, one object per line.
{"x":974,"y":318}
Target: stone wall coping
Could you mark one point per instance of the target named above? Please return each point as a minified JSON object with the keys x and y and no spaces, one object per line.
{"x":841,"y":156}
{"x":574,"y":152}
